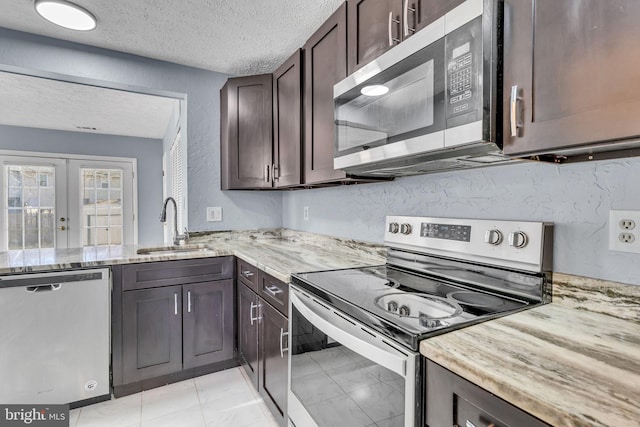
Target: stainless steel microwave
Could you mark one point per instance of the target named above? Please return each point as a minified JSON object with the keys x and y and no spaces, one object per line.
{"x":432,"y":103}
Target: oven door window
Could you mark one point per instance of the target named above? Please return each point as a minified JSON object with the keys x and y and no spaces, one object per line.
{"x":339,"y":387}
{"x":412,"y":105}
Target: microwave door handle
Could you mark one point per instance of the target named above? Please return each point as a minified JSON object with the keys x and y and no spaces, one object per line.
{"x":383,"y":356}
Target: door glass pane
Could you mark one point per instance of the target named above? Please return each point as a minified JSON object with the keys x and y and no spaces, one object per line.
{"x":371,"y":119}
{"x":30,"y":206}
{"x":101,"y":206}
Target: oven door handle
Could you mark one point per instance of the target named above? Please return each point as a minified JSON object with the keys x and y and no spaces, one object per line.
{"x":349,"y":334}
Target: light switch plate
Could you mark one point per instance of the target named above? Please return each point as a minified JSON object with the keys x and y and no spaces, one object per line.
{"x":214,"y":214}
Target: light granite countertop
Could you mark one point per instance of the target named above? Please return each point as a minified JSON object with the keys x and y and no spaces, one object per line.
{"x":574,"y":362}
{"x":279,"y":252}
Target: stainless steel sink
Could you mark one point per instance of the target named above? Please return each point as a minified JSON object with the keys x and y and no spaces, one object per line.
{"x":167,"y":250}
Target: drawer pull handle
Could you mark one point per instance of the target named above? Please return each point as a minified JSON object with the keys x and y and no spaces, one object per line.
{"x":257,"y":318}
{"x":282,"y":347}
{"x":43,"y":288}
{"x":273,"y":290}
{"x":188,"y":301}
{"x":247,"y":274}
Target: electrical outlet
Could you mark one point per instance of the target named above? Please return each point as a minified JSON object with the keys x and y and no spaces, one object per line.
{"x":305,"y":213}
{"x":623,"y":231}
{"x":214,"y":214}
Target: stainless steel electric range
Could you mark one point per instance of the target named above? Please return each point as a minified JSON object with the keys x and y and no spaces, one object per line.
{"x":355,"y":333}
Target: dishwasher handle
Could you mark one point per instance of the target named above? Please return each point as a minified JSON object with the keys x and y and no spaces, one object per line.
{"x":43,"y":288}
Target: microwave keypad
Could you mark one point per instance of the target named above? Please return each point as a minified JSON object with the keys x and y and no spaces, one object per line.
{"x":463,"y":56}
{"x":460,"y":72}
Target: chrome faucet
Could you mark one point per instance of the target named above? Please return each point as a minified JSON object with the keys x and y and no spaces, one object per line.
{"x":178,"y":239}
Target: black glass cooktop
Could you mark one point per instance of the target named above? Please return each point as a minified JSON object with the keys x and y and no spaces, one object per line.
{"x":404,"y":305}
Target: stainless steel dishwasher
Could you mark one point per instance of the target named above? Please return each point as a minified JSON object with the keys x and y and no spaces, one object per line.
{"x":55,"y":335}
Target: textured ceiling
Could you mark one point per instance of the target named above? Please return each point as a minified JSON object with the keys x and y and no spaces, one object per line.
{"x":237,"y":37}
{"x":50,"y":104}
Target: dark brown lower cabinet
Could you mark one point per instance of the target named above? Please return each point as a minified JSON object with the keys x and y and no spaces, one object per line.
{"x":207,"y":323}
{"x":248,"y":331}
{"x":172,"y":320}
{"x":273,"y":360}
{"x":152,"y":333}
{"x":263,"y":342}
{"x":453,"y":401}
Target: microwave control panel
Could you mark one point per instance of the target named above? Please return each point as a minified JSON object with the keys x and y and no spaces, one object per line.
{"x":464,"y":71}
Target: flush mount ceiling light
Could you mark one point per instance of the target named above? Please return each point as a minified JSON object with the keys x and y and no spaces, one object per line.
{"x":65,"y":14}
{"x":374,"y":90}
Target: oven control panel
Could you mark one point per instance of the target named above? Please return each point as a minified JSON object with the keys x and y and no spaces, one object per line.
{"x":515,"y":244}
{"x":446,"y":231}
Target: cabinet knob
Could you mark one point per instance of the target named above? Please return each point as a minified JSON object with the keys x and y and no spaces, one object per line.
{"x":62,"y":228}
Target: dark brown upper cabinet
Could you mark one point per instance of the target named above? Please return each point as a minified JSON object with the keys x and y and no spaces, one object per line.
{"x":375,"y":26}
{"x":325,"y":56}
{"x":570,"y":75}
{"x":287,"y":116}
{"x":417,"y":14}
{"x":246,"y":135}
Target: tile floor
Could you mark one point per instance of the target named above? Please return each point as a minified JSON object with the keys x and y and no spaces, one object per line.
{"x":222,"y":399}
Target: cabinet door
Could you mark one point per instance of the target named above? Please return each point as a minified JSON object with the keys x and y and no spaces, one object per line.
{"x":274,"y":342}
{"x":420,"y":13}
{"x":325,"y":64}
{"x":452,"y":400}
{"x":246,"y":132}
{"x":287,"y":135}
{"x":248,"y":318}
{"x":373,"y":28}
{"x":208,"y":323}
{"x":574,"y":66}
{"x":151,"y":332}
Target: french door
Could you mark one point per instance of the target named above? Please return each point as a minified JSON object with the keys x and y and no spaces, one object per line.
{"x":60,"y":203}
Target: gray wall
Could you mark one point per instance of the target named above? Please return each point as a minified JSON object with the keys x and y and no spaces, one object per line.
{"x":148,"y":152}
{"x":577,"y":198}
{"x":240,"y":209}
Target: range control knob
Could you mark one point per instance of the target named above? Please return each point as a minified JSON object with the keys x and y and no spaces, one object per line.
{"x":493,"y":237}
{"x":405,"y":229}
{"x":404,"y":311}
{"x":394,"y":227}
{"x":392,"y":306}
{"x":518,"y":239}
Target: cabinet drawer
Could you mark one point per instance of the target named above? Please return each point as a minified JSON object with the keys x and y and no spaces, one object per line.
{"x":248,"y":274}
{"x":167,"y":273}
{"x":274,"y":292}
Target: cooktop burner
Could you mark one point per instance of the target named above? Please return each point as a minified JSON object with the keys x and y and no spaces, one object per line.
{"x":476,"y":299}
